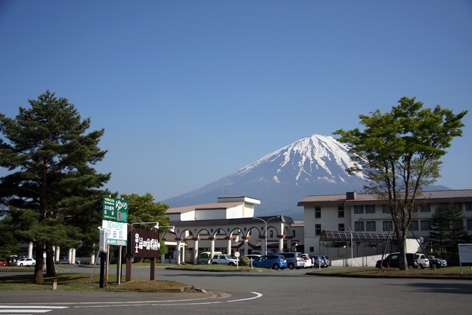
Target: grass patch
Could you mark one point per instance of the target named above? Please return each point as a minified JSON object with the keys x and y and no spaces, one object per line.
{"x":74,"y":282}
{"x":449,"y":272}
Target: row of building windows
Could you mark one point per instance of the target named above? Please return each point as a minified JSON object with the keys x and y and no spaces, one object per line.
{"x":371,"y":226}
{"x":361,"y":209}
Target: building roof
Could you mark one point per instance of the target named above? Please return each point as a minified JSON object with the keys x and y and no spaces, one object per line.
{"x":436,"y":196}
{"x":207,"y":206}
{"x":237,"y":221}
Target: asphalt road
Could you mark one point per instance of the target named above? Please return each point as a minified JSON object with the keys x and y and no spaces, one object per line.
{"x":278,"y":292}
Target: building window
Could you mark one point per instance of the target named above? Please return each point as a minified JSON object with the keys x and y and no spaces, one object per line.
{"x":340,"y":212}
{"x":458,"y":206}
{"x":469,"y":224}
{"x":386,"y":209}
{"x":425,"y":208}
{"x":317,"y":229}
{"x":414,"y":225}
{"x":358,"y":209}
{"x":370,"y":226}
{"x":341,"y":227}
{"x":425,"y":225}
{"x":317,"y":212}
{"x":468,"y":206}
{"x":370,"y":209}
{"x":358,"y":226}
{"x":387,"y":225}
{"x":293,"y":233}
{"x":271,"y":234}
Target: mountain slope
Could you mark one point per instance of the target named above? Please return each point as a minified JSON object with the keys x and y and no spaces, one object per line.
{"x":311,"y":165}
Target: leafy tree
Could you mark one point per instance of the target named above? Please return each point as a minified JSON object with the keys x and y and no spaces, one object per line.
{"x":146,"y":209}
{"x":399,"y":153}
{"x":51,"y":185}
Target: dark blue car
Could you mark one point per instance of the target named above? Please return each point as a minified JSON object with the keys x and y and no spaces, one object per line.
{"x":271,"y":261}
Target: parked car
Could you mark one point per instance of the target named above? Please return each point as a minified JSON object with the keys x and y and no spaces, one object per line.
{"x":327,"y":261}
{"x":253,"y":257}
{"x":3,"y":262}
{"x":437,"y":261}
{"x":273,"y":261}
{"x":308,"y":263}
{"x":26,"y":262}
{"x":319,"y":262}
{"x":12,"y":260}
{"x":393,"y":260}
{"x":205,"y":257}
{"x":223,"y":260}
{"x":443,"y":262}
{"x":423,"y":260}
{"x":294,"y":260}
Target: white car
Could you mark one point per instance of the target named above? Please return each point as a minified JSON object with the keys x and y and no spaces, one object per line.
{"x":308,"y":263}
{"x":224,"y":260}
{"x":25,"y":262}
{"x":423,"y":260}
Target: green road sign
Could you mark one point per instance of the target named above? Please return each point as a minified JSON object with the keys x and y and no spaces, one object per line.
{"x":114,"y":209}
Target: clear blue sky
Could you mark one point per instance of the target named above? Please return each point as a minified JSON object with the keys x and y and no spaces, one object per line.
{"x":190,"y":91}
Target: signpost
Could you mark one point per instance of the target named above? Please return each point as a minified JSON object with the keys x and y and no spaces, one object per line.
{"x":115,"y":223}
{"x":114,"y":209}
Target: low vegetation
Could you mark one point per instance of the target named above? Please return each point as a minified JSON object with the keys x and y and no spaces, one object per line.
{"x":449,"y":272}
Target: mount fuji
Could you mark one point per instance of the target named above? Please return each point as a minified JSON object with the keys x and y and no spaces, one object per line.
{"x":313,"y":165}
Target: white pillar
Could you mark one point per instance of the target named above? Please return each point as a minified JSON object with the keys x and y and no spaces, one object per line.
{"x":281,"y":245}
{"x":228,"y":250}
{"x":212,"y":249}
{"x":74,"y":251}
{"x":246,"y":246}
{"x":69,"y":257}
{"x":179,"y":243}
{"x":195,"y":252}
{"x":30,"y":250}
{"x":57,"y":253}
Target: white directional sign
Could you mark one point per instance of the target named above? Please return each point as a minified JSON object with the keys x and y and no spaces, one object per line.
{"x":117,"y":232}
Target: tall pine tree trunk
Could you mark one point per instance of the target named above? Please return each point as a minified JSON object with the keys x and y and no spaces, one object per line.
{"x":38,"y":269}
{"x":50,"y":267}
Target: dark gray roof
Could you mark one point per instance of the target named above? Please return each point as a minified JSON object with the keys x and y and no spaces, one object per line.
{"x":433,"y":196}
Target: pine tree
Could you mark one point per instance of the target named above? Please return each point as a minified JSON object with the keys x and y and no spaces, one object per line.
{"x":447,"y":228}
{"x":51,"y":185}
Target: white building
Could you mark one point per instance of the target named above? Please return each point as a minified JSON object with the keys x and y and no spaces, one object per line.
{"x":333,"y":221}
{"x":227,"y":226}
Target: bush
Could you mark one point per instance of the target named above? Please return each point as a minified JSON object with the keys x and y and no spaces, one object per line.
{"x":244,"y":261}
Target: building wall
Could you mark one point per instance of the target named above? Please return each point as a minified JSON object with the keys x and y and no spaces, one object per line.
{"x":329,"y":221}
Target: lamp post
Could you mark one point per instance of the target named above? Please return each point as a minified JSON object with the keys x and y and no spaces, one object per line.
{"x":156,"y":225}
{"x":352,"y":258}
{"x":265,"y":228}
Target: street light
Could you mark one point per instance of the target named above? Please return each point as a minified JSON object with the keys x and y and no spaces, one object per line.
{"x":352,"y":253}
{"x":156,"y":226}
{"x":265,"y":228}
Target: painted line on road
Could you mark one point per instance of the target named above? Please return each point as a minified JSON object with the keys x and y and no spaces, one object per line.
{"x":258,"y":295}
{"x":168,"y":303}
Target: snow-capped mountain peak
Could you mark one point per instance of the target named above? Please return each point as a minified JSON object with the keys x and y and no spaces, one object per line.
{"x":312,"y":158}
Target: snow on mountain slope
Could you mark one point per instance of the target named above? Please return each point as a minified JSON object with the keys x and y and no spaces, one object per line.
{"x":311,"y":158}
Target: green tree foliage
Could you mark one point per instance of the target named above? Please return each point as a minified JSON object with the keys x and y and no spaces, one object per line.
{"x":447,"y":228}
{"x":51,"y":189}
{"x":146,"y":209}
{"x":400,"y":152}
